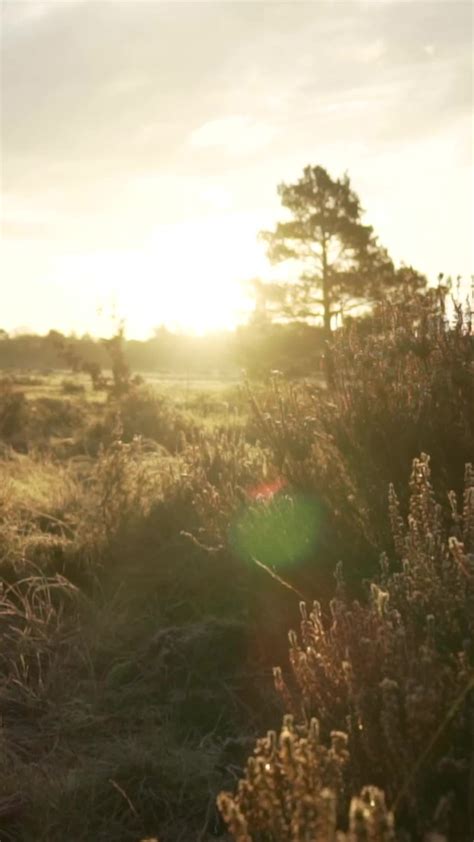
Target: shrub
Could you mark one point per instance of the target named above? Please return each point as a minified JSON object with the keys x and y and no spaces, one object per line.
{"x":27,"y":424}
{"x":51,"y":417}
{"x":406,"y":387}
{"x":397,"y":672}
{"x":293,"y":788}
{"x":14,"y":416}
{"x":162,"y":521}
{"x":71,"y":387}
{"x":144,"y":412}
{"x":402,"y":383}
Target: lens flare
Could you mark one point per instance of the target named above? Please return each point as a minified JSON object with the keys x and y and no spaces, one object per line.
{"x":266,"y":490}
{"x":278,"y":531}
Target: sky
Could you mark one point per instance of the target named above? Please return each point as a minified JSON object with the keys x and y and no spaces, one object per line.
{"x":142,"y":143}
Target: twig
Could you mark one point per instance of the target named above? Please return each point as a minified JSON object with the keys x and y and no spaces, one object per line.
{"x":11,"y":805}
{"x":279,"y":578}
{"x":124,"y":795}
{"x":201,"y":546}
{"x":454,"y":707}
{"x":202,"y":833}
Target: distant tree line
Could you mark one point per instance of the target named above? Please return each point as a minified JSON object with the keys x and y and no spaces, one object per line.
{"x":295,"y":348}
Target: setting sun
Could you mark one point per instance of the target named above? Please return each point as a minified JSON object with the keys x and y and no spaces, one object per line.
{"x":199,"y":268}
{"x":189,"y":276}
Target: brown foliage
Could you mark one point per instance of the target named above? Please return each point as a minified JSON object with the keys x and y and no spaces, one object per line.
{"x":293,"y":788}
{"x":403,"y":383}
{"x":395,"y":671}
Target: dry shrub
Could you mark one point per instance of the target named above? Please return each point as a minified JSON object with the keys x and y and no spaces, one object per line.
{"x":125,"y":480}
{"x":293,"y":790}
{"x":402,"y":383}
{"x":144,"y":412}
{"x":55,"y":417}
{"x":31,"y":424}
{"x":72,"y":387}
{"x":161,"y":522}
{"x":222,"y":467}
{"x":396,"y":672}
{"x":403,"y":387}
{"x":13,"y":416}
{"x":200,"y":487}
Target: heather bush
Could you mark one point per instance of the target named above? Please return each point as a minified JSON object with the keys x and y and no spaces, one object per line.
{"x":396,"y":672}
{"x":161,"y":522}
{"x":212,"y":473}
{"x":32,"y":424}
{"x":402,"y":383}
{"x":144,"y":412}
{"x":13,"y":416}
{"x":404,"y":387}
{"x":124,"y":481}
{"x":71,"y":387}
{"x":293,"y":789}
{"x":54,"y":417}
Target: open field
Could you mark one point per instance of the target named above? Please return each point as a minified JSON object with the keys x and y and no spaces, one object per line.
{"x":53,"y":383}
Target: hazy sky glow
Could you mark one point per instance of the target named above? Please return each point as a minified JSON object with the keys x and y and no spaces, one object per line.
{"x":142,"y":143}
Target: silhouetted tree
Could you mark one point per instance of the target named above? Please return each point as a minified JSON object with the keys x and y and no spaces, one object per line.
{"x":115,"y":347}
{"x":405,"y":284}
{"x":268,"y":298}
{"x":340,"y":259}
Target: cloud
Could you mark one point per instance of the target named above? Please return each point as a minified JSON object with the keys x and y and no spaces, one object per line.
{"x":32,"y":218}
{"x":18,"y":14}
{"x":372,"y":52}
{"x":216,"y":197}
{"x":236,"y":134}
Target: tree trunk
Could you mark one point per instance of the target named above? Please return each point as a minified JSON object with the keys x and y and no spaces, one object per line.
{"x":326,"y":315}
{"x":326,"y":292}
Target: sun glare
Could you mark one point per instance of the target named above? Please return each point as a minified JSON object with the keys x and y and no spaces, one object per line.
{"x":188,"y":276}
{"x":196,"y":272}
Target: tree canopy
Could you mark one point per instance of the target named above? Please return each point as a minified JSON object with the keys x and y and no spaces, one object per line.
{"x":340,"y":262}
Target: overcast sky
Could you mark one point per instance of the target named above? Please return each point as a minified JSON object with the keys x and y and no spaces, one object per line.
{"x":137,"y":134}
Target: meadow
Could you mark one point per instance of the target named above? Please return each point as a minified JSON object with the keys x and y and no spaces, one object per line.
{"x":188,"y":566}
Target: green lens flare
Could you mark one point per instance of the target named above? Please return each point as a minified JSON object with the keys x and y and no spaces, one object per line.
{"x":279,"y":533}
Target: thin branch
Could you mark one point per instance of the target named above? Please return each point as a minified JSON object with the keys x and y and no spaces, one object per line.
{"x":279,"y":578}
{"x":414,"y":771}
{"x":124,"y":795}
